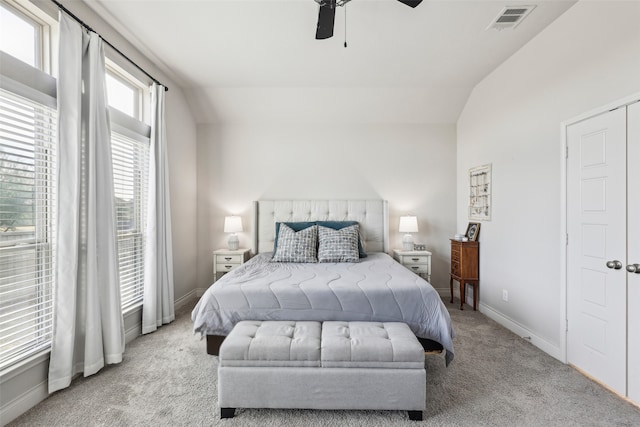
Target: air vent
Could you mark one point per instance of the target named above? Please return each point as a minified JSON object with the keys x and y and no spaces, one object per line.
{"x":510,"y":17}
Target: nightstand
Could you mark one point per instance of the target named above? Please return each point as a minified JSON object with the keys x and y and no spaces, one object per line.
{"x":417,"y":261}
{"x":225,"y":260}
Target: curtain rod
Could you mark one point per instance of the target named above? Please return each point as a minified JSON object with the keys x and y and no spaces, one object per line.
{"x":60,"y":6}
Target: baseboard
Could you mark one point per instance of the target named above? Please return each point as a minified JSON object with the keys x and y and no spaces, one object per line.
{"x":515,"y":327}
{"x":445,"y":293}
{"x":134,"y":330}
{"x":522,"y":331}
{"x":132,"y":323}
{"x":132,"y":333}
{"x":24,"y":402}
{"x":200,"y":292}
{"x":184,"y":300}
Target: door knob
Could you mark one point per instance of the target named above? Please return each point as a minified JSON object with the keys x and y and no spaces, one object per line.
{"x":615,"y":264}
{"x":633,"y":268}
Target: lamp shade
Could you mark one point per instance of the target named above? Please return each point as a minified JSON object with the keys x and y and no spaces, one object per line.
{"x":232,"y":224}
{"x":408,"y":224}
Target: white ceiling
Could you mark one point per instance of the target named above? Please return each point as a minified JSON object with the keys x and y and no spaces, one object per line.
{"x":257,"y":60}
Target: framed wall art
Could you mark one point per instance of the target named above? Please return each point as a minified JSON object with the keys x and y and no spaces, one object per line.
{"x":480,"y":193}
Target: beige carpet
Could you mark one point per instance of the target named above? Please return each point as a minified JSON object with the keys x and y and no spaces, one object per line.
{"x":496,"y":379}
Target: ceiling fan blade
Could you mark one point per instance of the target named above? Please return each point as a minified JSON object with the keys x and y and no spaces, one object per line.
{"x":412,"y":3}
{"x":326,"y":18}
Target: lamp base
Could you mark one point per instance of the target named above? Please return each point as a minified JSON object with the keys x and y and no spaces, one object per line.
{"x":407,"y":242}
{"x":233,"y":242}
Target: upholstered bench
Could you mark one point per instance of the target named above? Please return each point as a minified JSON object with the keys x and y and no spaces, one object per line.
{"x":321,"y":365}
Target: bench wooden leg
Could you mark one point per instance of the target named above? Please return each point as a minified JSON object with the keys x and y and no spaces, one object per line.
{"x":415,"y":415}
{"x":227,"y":412}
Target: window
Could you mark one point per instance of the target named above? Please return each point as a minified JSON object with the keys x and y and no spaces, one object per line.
{"x":130,"y":153}
{"x":27,"y":207}
{"x":27,"y":187}
{"x":19,"y":35}
{"x":27,"y":33}
{"x":130,"y":178}
{"x":126,"y":93}
{"x":123,"y":96}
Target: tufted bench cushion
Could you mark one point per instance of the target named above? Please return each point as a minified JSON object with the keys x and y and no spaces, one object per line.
{"x":328,"y":365}
{"x":272,"y":343}
{"x":370,"y":345}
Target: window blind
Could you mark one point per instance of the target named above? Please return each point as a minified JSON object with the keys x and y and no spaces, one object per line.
{"x":27,"y":210}
{"x":130,"y":176}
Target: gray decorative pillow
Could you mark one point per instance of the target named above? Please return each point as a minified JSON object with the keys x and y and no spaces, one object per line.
{"x":338,"y":245}
{"x":297,"y":246}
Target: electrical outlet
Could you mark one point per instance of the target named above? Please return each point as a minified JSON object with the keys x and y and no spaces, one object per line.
{"x":505,"y":295}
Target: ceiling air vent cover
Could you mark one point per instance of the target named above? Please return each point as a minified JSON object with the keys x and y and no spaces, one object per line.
{"x":510,"y":17}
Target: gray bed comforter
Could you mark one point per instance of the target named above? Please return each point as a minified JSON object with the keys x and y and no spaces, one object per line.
{"x":375,"y":289}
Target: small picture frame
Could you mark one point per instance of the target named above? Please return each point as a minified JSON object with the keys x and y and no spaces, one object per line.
{"x":419,"y":247}
{"x":473,"y":230}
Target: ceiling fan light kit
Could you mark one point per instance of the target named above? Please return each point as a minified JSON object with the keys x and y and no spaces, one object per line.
{"x":327,"y":15}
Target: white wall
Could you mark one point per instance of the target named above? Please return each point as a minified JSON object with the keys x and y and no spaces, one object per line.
{"x":410,"y":165}
{"x":181,"y":142}
{"x":587,"y":58}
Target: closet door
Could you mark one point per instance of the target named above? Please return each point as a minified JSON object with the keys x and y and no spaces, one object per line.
{"x":633,"y":302}
{"x":596,"y":250}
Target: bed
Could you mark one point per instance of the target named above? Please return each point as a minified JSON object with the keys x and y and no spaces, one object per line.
{"x":372,"y":288}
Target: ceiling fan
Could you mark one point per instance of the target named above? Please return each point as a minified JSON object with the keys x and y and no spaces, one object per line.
{"x":327,"y":15}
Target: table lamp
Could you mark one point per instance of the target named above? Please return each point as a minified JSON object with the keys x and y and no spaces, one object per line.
{"x":408,"y":225}
{"x":233,"y":225}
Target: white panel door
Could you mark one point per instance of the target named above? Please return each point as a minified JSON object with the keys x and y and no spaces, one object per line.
{"x":596,"y":224}
{"x":633,"y":245}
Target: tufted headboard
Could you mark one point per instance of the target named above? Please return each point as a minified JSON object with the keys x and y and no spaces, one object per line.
{"x":373,"y":216}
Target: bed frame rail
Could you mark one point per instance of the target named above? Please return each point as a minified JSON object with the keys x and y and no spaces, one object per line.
{"x":215,"y":341}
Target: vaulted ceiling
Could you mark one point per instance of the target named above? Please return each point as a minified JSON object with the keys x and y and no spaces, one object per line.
{"x":257,"y":60}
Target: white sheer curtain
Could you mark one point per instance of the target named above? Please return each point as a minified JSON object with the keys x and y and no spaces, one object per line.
{"x":88,"y":325}
{"x":158,"y":305}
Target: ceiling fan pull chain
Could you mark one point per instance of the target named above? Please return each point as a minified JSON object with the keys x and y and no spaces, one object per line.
{"x":345,"y":25}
